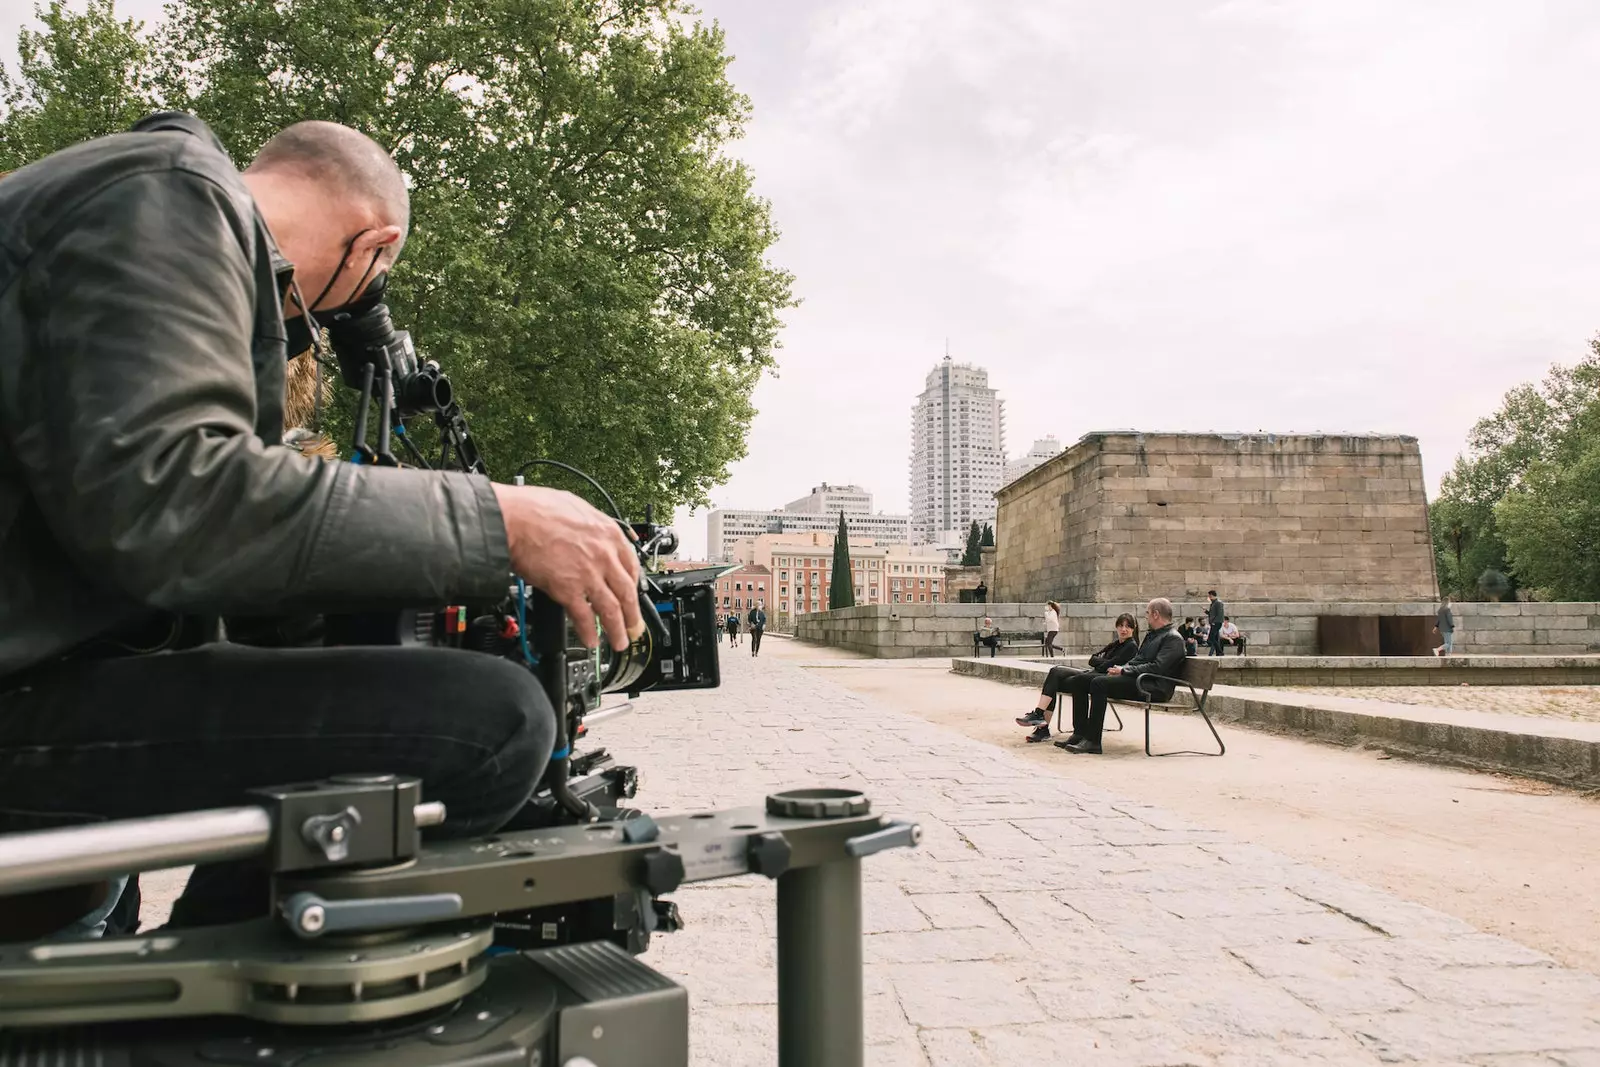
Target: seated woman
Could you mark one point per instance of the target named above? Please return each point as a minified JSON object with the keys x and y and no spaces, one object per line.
{"x":1062,"y":679}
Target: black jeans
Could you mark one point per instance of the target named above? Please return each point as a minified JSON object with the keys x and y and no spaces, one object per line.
{"x":1089,"y":703}
{"x":152,"y":735}
{"x":755,"y":640}
{"x":1215,"y":641}
{"x":1065,"y":680}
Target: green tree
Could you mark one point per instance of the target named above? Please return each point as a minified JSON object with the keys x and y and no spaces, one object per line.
{"x":1551,"y":523}
{"x":842,"y":591}
{"x":585,"y":262}
{"x":973,"y":556}
{"x":988,"y":537}
{"x":79,"y":76}
{"x":1548,"y":423}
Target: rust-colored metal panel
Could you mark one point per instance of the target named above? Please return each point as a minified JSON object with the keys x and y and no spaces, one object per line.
{"x":1347,"y":635}
{"x":1406,"y":635}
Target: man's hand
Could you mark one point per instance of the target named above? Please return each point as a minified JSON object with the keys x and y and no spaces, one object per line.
{"x":576,"y":554}
{"x":1115,"y":670}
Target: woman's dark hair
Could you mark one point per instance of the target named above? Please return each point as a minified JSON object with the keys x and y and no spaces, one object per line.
{"x":1127,"y":620}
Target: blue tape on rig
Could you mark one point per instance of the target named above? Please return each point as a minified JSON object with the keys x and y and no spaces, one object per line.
{"x":562,"y":753}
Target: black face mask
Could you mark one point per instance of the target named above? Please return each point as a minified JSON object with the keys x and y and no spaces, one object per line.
{"x":301,"y":331}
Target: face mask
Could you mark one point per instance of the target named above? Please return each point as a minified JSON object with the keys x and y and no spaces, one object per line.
{"x":301,"y":331}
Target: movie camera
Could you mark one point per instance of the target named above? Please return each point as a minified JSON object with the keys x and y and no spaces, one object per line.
{"x":518,"y":948}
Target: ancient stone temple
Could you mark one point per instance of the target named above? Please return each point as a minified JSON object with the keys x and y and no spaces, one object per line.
{"x":1126,"y":516}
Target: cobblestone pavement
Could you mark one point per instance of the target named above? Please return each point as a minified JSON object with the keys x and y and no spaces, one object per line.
{"x":1578,"y":703}
{"x":1045,"y":921}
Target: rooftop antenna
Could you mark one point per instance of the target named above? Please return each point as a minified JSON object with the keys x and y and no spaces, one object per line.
{"x":947,"y":348}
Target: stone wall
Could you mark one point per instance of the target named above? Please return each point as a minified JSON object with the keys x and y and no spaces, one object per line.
{"x":897,"y":631}
{"x":1259,"y":517}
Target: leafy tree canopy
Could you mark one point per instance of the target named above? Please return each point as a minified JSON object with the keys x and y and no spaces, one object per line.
{"x":1522,"y":499}
{"x":585,"y":262}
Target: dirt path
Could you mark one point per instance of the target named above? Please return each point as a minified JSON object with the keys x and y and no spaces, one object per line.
{"x":1513,"y":857}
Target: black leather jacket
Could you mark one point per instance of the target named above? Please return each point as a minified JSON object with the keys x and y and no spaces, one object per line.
{"x":141,"y":412}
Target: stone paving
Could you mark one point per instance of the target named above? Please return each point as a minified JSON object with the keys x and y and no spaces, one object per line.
{"x":1045,"y":921}
{"x":1577,"y":703}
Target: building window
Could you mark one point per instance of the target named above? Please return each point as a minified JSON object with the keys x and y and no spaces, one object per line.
{"x":897,"y":598}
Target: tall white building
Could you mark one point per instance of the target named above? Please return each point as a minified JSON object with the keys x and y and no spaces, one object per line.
{"x":1045,"y":448}
{"x":729,"y":530}
{"x":958,"y":453}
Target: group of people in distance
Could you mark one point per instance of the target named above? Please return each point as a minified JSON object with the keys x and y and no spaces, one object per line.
{"x":755,"y":622}
{"x":1126,"y":668}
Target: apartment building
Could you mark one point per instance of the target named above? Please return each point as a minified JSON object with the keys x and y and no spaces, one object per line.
{"x":801,"y":571}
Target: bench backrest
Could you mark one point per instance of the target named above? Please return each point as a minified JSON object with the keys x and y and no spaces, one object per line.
{"x":1201,"y":671}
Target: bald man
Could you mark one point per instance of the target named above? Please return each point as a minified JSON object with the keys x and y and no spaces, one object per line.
{"x":150,"y":294}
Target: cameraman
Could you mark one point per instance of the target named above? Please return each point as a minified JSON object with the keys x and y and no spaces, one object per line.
{"x":145,"y":494}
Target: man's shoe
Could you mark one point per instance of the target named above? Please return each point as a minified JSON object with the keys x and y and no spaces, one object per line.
{"x":1091,"y":748}
{"x":1033,"y":718}
{"x":1040,"y":733}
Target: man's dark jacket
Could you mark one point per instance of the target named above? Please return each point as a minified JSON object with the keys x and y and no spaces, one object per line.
{"x":142,"y":371}
{"x":1162,"y":654}
{"x":1216,"y":612}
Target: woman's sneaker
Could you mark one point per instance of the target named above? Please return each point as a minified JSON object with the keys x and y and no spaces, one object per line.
{"x":1040,"y":733}
{"x":1033,"y":718}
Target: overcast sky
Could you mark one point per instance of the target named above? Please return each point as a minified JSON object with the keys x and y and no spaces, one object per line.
{"x":1280,"y":215}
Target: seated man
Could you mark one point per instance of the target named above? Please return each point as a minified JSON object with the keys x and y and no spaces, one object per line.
{"x":146,"y":494}
{"x":1161,"y":656}
{"x":1124,"y":645}
{"x":1190,"y":642}
{"x":989,"y":634}
{"x":1231,"y":635}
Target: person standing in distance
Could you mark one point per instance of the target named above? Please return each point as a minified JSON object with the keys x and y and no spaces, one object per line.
{"x":758,"y":626}
{"x":146,"y":494}
{"x":1215,"y":613}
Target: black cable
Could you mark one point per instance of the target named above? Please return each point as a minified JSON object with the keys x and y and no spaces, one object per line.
{"x":411,"y":447}
{"x":615,"y":511}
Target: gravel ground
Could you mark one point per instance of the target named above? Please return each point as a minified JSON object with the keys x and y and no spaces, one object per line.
{"x":1578,"y":703}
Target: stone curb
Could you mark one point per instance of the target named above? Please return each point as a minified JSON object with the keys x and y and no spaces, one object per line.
{"x":1569,"y":761}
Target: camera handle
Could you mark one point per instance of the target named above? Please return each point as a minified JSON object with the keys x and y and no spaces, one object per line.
{"x":361,"y":452}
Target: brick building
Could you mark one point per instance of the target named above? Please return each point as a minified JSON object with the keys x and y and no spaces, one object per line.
{"x":1266,"y":517}
{"x":801,"y":570}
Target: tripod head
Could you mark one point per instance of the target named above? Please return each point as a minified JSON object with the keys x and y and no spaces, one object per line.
{"x":380,"y":949}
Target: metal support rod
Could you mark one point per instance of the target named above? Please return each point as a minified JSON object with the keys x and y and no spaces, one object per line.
{"x":820,"y":1010}
{"x":45,"y":858}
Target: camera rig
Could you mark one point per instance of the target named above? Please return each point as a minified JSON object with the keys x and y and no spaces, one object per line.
{"x":518,"y":948}
{"x":381,"y":950}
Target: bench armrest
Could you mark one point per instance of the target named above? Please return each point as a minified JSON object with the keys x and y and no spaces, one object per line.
{"x":1176,"y":683}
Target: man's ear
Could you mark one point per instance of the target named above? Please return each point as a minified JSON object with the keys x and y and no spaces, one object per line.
{"x":374,"y":240}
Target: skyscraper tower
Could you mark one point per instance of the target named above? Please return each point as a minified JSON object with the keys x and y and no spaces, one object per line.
{"x":958,"y":452}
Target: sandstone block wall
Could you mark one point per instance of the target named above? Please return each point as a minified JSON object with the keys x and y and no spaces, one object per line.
{"x":900,"y":631}
{"x":1259,"y":517}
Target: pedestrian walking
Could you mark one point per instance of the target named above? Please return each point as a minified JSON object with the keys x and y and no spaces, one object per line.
{"x":758,"y":626}
{"x":733,"y":629}
{"x":1052,"y":626}
{"x":1444,"y":625}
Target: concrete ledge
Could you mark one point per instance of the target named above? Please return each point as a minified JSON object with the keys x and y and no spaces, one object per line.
{"x":1553,"y":750}
{"x":1270,"y":671}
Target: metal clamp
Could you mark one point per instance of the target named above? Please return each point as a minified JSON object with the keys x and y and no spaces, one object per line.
{"x":894,"y":835}
{"x":310,"y":916}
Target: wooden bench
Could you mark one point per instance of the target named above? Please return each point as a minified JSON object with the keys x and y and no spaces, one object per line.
{"x":1009,"y":638}
{"x":1198,"y":676}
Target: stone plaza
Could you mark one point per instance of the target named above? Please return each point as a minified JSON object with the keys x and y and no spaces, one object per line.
{"x":1047,"y":921}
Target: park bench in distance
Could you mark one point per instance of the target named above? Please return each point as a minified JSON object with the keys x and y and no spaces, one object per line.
{"x":1009,"y":639}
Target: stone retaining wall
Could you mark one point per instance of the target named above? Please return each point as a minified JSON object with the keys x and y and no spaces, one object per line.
{"x":898,"y":631}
